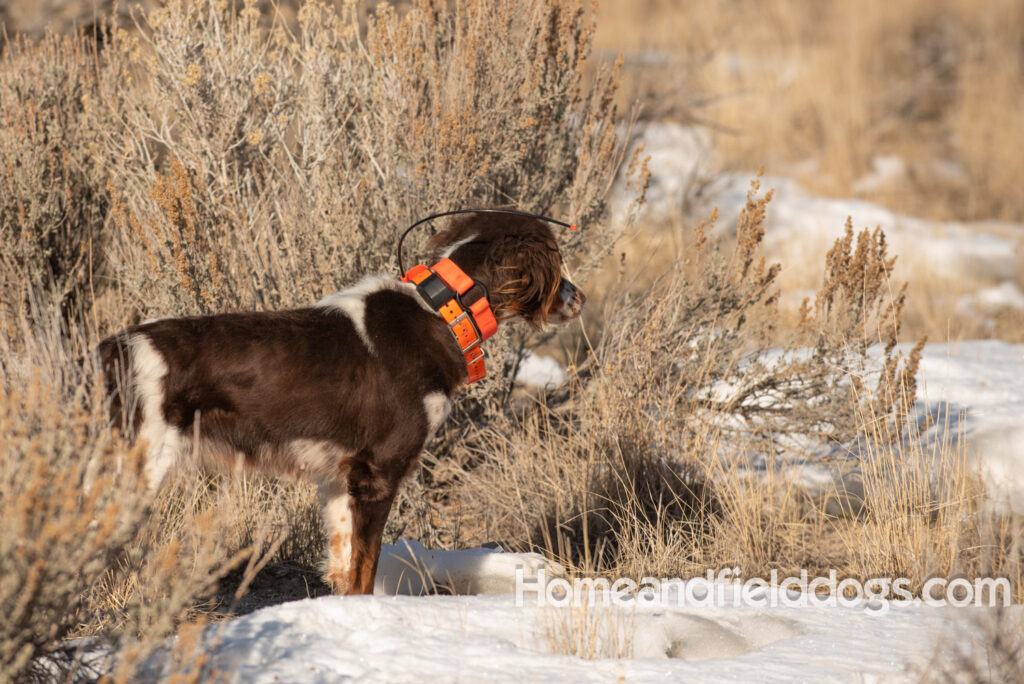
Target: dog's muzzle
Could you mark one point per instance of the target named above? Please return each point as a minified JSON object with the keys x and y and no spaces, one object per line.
{"x":570,"y":303}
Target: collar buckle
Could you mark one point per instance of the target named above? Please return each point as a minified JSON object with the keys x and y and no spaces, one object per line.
{"x":479,"y":356}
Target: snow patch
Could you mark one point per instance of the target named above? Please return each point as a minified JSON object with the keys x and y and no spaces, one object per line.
{"x":888,"y":172}
{"x":975,"y":389}
{"x":801,"y":227}
{"x":679,"y":164}
{"x":490,"y":638}
{"x":540,"y":371}
{"x":969,"y":394}
{"x":991,"y":300}
{"x":409,"y":568}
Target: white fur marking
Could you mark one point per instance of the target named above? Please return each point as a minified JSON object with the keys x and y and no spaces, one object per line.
{"x":353,"y":305}
{"x":450,"y":249}
{"x":315,"y":457}
{"x":338,"y":514}
{"x":352,"y":301}
{"x":437,"y":406}
{"x":163,"y":441}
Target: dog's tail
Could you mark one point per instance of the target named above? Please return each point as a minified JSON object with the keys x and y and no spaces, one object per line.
{"x":116,"y":359}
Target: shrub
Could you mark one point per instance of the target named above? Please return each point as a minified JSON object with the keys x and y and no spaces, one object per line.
{"x":261,"y":168}
{"x":691,"y":377}
{"x":704,"y":344}
{"x":80,"y":552}
{"x":52,"y":202}
{"x":217,"y":160}
{"x":71,"y":498}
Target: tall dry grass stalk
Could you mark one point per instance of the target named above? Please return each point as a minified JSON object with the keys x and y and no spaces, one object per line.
{"x":588,"y":631}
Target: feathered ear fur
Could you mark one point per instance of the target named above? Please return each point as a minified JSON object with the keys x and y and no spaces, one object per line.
{"x":527,"y":275}
{"x":515,"y":257}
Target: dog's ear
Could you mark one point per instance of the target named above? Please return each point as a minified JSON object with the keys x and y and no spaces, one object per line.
{"x":527,"y":275}
{"x":438,"y":241}
{"x":516,"y":258}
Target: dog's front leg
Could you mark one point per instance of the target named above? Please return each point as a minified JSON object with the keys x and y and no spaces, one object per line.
{"x":355,"y":527}
{"x":370,"y":518}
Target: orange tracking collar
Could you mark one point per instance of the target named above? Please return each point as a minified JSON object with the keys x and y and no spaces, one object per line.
{"x":442,"y":286}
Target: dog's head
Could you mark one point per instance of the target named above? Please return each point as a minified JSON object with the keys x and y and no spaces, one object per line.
{"x":517,"y":259}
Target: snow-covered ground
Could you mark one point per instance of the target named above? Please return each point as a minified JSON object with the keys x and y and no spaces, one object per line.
{"x":975,"y":390}
{"x":800,"y":227}
{"x":540,"y":371}
{"x":970,"y":402}
{"x":496,"y":638}
{"x":488,"y":639}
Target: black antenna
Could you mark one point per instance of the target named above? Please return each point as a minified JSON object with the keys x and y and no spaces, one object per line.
{"x":401,"y":263}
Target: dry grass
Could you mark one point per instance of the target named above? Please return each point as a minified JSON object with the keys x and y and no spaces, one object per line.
{"x":672,"y":452}
{"x":830,"y":86}
{"x":990,"y":653}
{"x":592,"y":632}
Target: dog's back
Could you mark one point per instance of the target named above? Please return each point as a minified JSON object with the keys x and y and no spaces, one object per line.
{"x":264,"y":386}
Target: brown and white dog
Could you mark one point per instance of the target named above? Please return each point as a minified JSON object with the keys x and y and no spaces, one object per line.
{"x":345,"y":393}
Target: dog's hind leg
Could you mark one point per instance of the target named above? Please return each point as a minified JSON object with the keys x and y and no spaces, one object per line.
{"x":134,"y":373}
{"x":163,"y":441}
{"x":135,"y":376}
{"x":338,"y":517}
{"x":356,"y":511}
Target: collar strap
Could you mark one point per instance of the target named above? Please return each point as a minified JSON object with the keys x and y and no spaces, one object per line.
{"x":441,"y":286}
